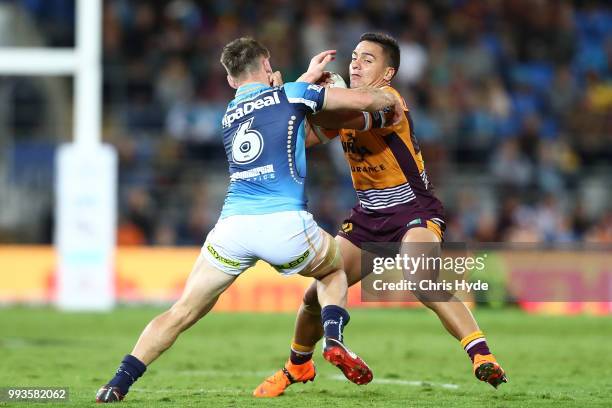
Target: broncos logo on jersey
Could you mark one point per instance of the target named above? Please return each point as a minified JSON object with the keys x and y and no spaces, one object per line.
{"x":356,"y":150}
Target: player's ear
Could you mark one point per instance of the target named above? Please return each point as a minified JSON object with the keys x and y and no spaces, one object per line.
{"x":232,"y":82}
{"x":389,"y":73}
{"x":266,"y":65}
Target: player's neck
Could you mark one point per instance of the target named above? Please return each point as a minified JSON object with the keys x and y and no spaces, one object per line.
{"x":381,"y":83}
{"x":255,"y":79}
{"x":253,"y":83}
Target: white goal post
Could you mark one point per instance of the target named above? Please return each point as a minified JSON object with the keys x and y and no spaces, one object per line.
{"x":83,"y":61}
{"x":86,"y":170}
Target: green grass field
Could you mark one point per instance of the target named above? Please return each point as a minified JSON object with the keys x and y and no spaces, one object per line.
{"x":550,"y":361}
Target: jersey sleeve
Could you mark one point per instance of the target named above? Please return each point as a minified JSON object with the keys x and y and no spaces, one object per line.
{"x":308,"y":96}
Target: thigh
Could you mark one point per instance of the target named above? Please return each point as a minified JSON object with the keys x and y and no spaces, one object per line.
{"x":350,"y":254}
{"x":204,"y":285}
{"x":423,"y":242}
{"x":326,"y":258}
{"x":424,"y":230}
{"x":421,"y":235}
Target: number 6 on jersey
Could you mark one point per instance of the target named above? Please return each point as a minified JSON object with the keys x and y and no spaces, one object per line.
{"x":247,"y":144}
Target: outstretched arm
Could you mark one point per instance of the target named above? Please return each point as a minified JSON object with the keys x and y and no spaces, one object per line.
{"x":346,"y":119}
{"x":364,"y":99}
{"x":324,"y":126}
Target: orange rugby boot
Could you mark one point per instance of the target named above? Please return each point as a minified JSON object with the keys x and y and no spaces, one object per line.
{"x":487,"y":369}
{"x":277,"y":383}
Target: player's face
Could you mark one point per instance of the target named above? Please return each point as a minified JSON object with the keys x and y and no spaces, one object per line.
{"x":368,"y":65}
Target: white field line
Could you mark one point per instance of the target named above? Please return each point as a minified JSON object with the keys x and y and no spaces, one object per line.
{"x":338,"y":377}
{"x":397,"y":381}
{"x":232,"y":391}
{"x":225,"y":374}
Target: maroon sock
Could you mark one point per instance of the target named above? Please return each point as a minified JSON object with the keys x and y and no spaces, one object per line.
{"x":478,"y":348}
{"x":300,"y":358}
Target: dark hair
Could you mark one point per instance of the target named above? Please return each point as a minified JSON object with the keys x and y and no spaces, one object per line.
{"x":389,"y":46}
{"x":241,"y":55}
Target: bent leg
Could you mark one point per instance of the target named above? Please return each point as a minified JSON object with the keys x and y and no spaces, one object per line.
{"x":454,"y":314}
{"x":332,"y":290}
{"x":458,"y":320}
{"x":203,"y":287}
{"x":308,"y":329}
{"x":327,"y":268}
{"x":329,"y":289}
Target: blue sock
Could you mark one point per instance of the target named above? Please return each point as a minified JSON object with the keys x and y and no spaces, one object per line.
{"x":334,"y":319}
{"x":128,"y":372}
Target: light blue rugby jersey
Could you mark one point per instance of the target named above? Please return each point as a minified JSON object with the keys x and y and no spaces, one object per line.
{"x":264,"y":138}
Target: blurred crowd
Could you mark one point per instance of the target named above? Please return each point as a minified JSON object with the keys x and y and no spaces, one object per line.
{"x":511,"y":100}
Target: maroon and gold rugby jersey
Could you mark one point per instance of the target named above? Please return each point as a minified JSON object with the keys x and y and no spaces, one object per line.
{"x":387,"y":167}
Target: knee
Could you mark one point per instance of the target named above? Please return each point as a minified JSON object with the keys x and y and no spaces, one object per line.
{"x":427,"y":303}
{"x":182,"y":316}
{"x":434,"y":303}
{"x":420,"y":235}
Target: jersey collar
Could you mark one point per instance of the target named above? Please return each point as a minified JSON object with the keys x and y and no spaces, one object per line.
{"x":250,"y":87}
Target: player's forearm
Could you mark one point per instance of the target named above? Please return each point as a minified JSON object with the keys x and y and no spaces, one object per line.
{"x":380,"y":100}
{"x":308,"y":77}
{"x":363,"y":99}
{"x":376,"y":99}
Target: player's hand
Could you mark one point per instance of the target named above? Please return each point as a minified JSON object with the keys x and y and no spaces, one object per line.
{"x":325,"y":80}
{"x":275,"y":78}
{"x":317,"y":66}
{"x":319,"y":62}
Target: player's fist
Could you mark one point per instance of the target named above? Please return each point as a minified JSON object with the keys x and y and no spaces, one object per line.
{"x":325,"y":79}
{"x":331,"y":80}
{"x":275,"y":78}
